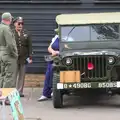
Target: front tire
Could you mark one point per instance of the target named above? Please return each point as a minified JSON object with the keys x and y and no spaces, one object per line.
{"x":57,"y":99}
{"x":57,"y":94}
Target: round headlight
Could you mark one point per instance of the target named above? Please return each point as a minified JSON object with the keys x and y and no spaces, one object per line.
{"x":111,"y":60}
{"x":68,"y":61}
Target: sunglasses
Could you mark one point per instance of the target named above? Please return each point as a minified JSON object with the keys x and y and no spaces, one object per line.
{"x":20,"y":23}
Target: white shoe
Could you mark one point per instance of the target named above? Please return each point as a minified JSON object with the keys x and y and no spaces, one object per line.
{"x":52,"y":94}
{"x":42,"y":98}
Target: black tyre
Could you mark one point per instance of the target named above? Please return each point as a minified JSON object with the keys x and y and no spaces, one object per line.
{"x":57,"y":99}
{"x":57,"y":94}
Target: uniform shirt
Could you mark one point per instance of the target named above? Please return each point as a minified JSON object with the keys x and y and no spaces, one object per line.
{"x":55,"y":43}
{"x":54,"y":39}
{"x":7,"y":40}
{"x":24,"y":45}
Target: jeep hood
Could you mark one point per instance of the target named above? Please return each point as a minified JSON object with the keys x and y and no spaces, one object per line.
{"x":66,"y":46}
{"x":90,"y":48}
{"x":111,"y":52}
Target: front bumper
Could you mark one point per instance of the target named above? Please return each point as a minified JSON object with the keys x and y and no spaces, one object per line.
{"x":86,"y":85}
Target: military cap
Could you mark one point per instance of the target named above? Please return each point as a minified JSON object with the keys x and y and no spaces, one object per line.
{"x":6,"y":16}
{"x":18,"y":19}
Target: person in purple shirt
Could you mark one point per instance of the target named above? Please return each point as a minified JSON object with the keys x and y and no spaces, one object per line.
{"x":54,"y":50}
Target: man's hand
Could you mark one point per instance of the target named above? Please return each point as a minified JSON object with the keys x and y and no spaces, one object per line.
{"x":29,"y":60}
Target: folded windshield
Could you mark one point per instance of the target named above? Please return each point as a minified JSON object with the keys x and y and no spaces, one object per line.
{"x":100,"y":32}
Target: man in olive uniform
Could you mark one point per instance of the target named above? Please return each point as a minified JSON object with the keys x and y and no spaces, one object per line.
{"x":24,"y":46}
{"x":8,"y":53}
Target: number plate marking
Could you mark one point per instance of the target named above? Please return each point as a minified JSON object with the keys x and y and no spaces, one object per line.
{"x":107,"y":85}
{"x":78,"y":85}
{"x":91,"y":85}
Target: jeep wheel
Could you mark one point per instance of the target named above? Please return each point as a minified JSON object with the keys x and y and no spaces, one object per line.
{"x":57,"y":93}
{"x":57,"y":99}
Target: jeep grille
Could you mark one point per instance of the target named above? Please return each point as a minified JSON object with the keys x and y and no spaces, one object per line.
{"x":98,"y":72}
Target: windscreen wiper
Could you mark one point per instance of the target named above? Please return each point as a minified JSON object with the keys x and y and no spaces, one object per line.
{"x":70,"y":32}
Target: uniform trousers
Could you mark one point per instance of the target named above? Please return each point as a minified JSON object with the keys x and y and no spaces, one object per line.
{"x":20,"y":78}
{"x":8,"y":67}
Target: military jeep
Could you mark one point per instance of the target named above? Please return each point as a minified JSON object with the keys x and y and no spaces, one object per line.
{"x":89,"y":56}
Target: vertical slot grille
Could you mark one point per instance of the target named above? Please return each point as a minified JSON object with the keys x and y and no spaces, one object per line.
{"x":98,"y":62}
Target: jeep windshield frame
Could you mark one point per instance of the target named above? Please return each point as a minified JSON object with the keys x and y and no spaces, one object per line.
{"x":90,"y":32}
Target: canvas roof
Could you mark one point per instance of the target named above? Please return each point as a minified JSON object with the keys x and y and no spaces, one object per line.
{"x":88,"y":18}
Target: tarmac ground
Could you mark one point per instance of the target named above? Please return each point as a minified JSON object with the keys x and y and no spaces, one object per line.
{"x":107,"y":108}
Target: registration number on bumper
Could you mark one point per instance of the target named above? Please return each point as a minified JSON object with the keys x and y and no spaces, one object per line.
{"x":88,"y":85}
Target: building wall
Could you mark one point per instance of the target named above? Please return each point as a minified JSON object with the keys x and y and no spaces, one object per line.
{"x":39,"y":17}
